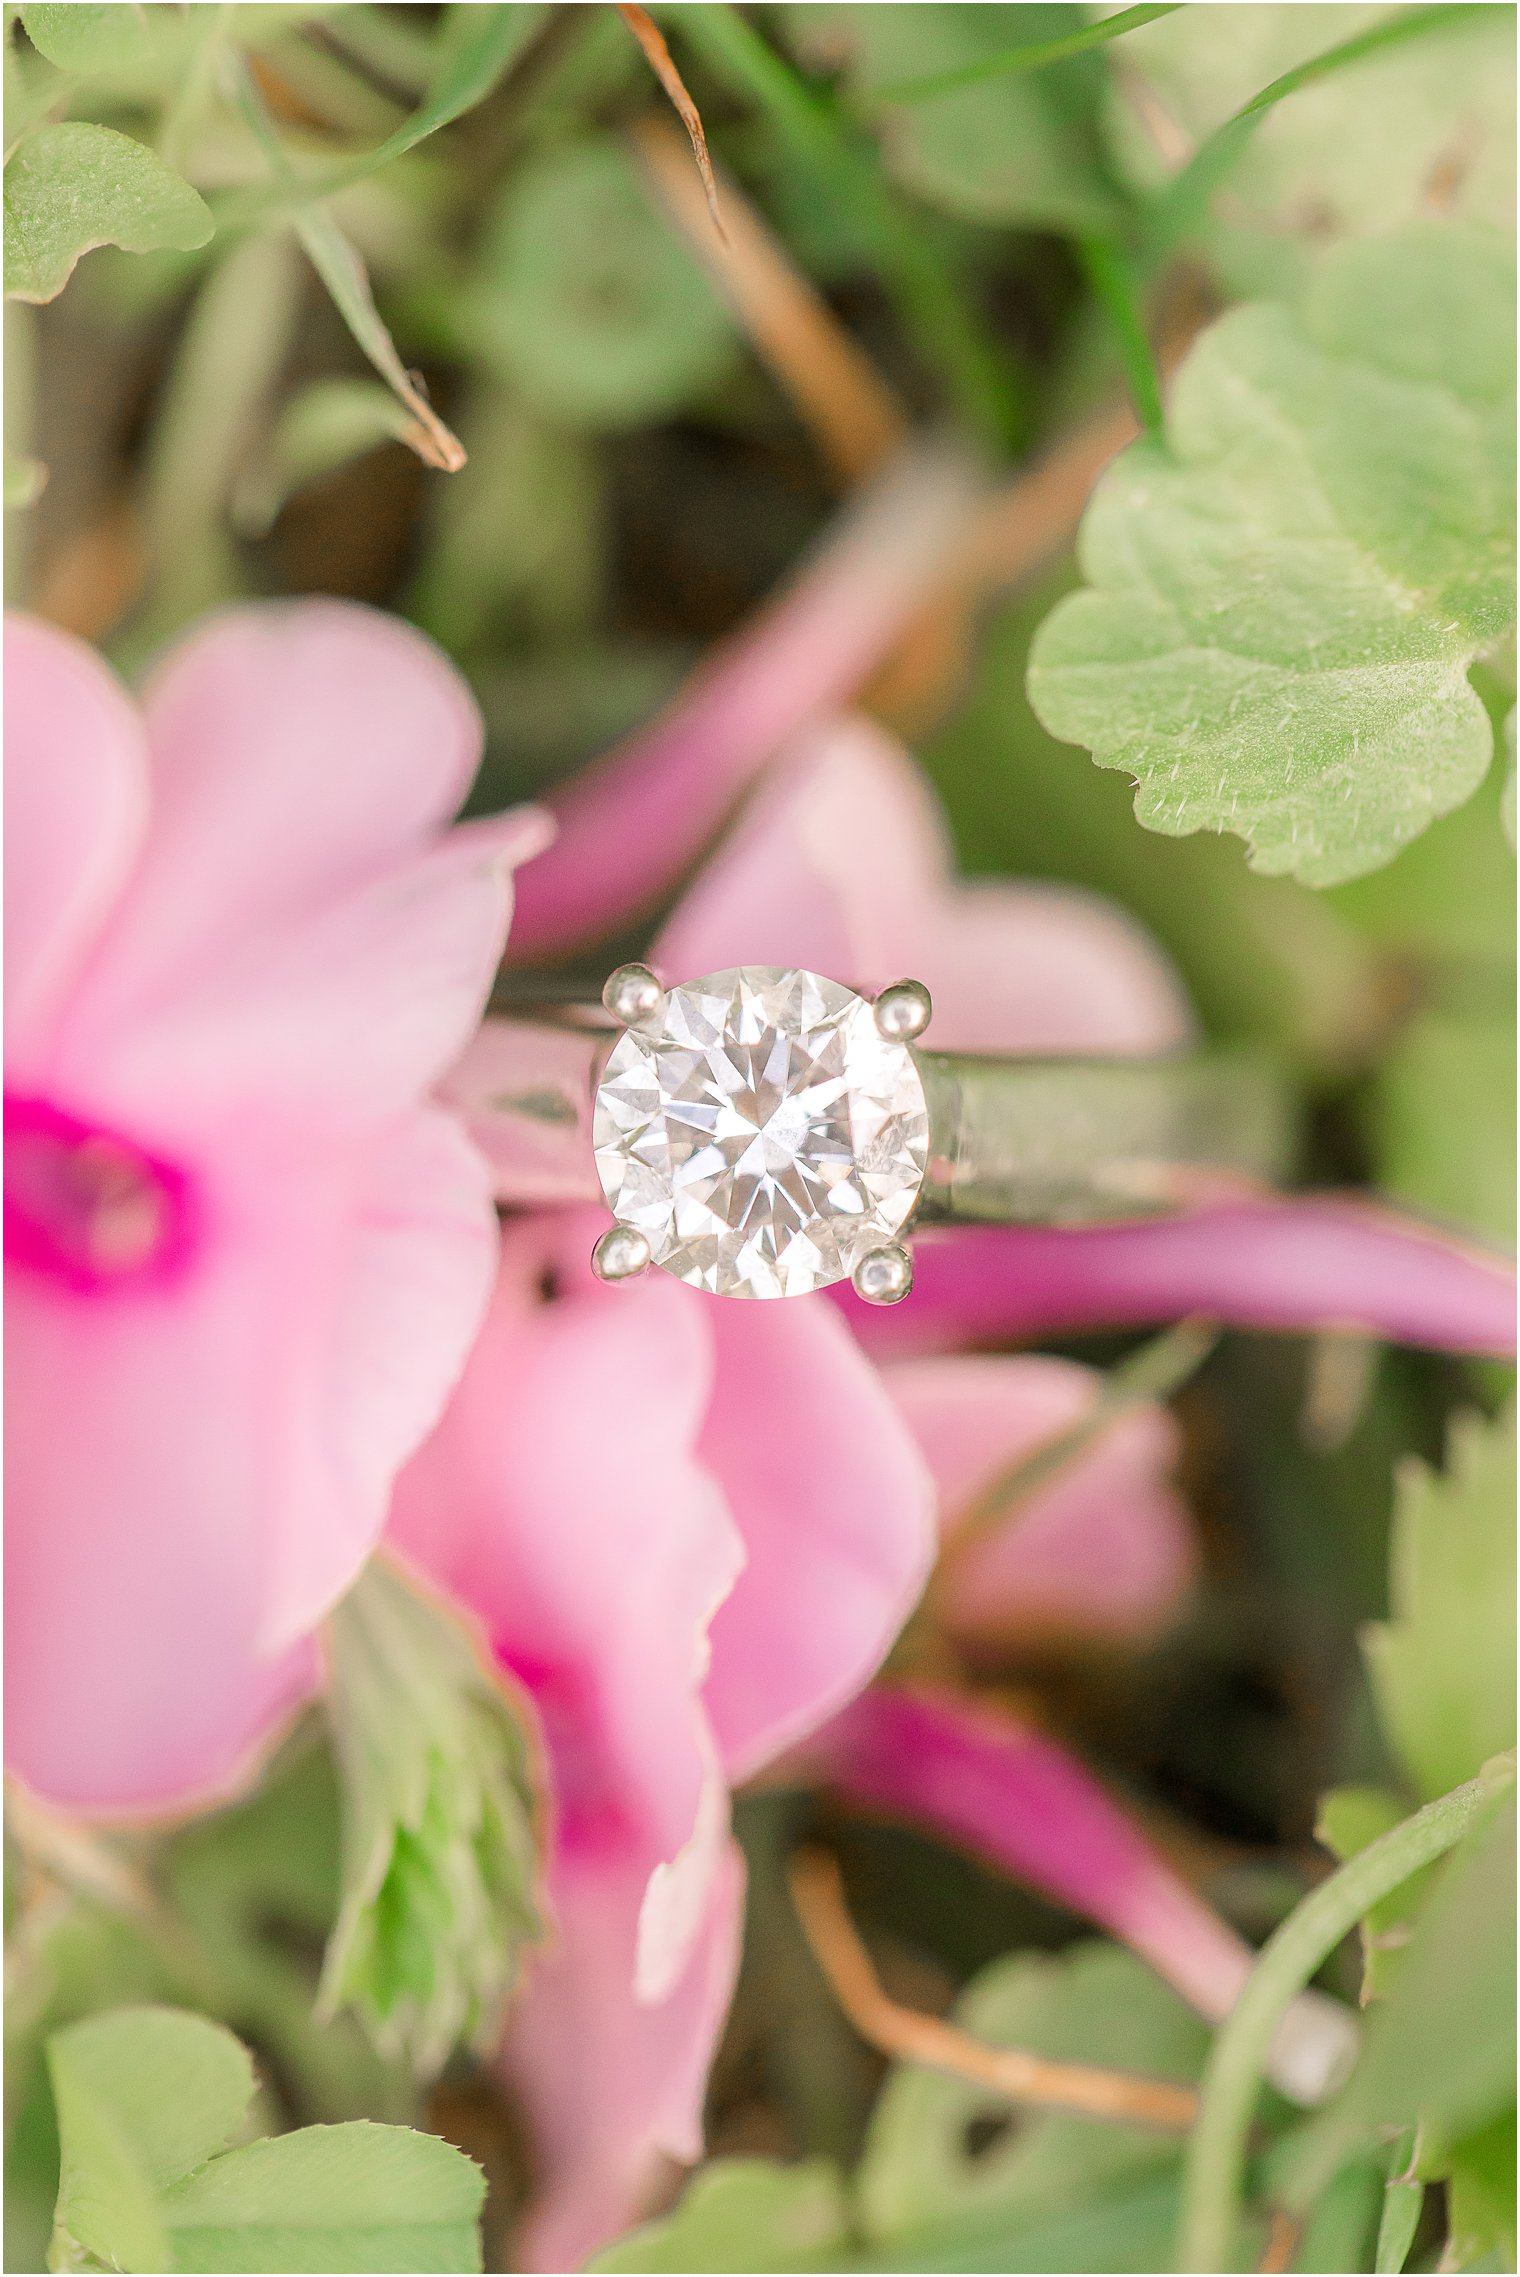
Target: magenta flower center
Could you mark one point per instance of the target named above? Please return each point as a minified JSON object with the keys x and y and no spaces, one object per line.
{"x":88,"y":1206}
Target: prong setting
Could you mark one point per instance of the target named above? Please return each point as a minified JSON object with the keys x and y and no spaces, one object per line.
{"x":632,"y":995}
{"x":621,"y":1254}
{"x":884,"y":1276}
{"x":903,"y":1011}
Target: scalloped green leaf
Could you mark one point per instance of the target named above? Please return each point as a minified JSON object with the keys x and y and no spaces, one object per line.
{"x":1286,"y":590}
{"x":73,"y":187}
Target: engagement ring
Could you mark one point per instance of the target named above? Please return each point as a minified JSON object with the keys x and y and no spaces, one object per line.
{"x":763,"y":1132}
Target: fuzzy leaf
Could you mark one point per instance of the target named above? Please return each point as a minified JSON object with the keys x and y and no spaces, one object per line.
{"x":105,"y":41}
{"x":72,"y":187}
{"x":1289,"y":586}
{"x":147,"y":2097}
{"x":1443,"y":1668}
{"x":438,"y":1824}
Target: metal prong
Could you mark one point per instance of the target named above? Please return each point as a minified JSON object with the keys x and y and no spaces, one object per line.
{"x":884,"y":1276}
{"x":621,"y":1253}
{"x":904,"y":1010}
{"x":631,"y":994}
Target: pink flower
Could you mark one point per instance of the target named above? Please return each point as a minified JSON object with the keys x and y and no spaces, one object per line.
{"x":691,"y":1530}
{"x":245,"y":1258}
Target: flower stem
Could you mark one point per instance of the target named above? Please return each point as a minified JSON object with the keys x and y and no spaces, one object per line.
{"x":1232,"y":2077}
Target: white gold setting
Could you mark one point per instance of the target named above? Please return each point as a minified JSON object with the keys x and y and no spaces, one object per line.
{"x":763,"y":1132}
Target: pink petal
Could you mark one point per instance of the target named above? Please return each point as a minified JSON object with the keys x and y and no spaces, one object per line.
{"x":419,"y":1248}
{"x":347,"y":1013}
{"x":842,"y":865}
{"x":1104,"y":1548}
{"x":633,"y":823}
{"x":614,"y":2086}
{"x":562,"y":1500}
{"x":837,"y":1516}
{"x":524,"y":1094}
{"x":1003,"y":1790}
{"x":198,"y":1467}
{"x":145,"y":1458}
{"x":1275,"y":1261}
{"x":75,"y":803}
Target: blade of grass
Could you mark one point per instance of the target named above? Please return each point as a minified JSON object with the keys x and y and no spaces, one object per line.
{"x":1179,"y":206}
{"x":975,"y":369}
{"x":338,"y":264}
{"x":1009,"y":62}
{"x":1215,"y":2167}
{"x":1110,"y":275}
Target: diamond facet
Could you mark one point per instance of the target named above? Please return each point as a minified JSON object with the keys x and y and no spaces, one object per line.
{"x":761,"y":1133}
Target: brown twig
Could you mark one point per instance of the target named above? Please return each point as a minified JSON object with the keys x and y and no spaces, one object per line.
{"x":853,"y":415}
{"x":906,"y":2033}
{"x":651,"y":39}
{"x":1282,"y":2241}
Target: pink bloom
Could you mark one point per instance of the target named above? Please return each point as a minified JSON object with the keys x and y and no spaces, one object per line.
{"x":246,"y":1258}
{"x":691,"y":1530}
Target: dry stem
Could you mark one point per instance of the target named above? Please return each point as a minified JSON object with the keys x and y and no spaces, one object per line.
{"x":913,"y":2037}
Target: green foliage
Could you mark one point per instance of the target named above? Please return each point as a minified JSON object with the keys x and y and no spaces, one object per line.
{"x":1289,"y":588}
{"x":1096,"y":2004}
{"x":1439,"y":2050}
{"x":953,"y":2178}
{"x":1011,"y":149}
{"x":439,"y":1855}
{"x":1360,"y":153}
{"x":744,"y":2213}
{"x":585,"y":299}
{"x":71,"y":187}
{"x":146,"y":2100}
{"x":1443,"y":1668}
{"x":1456,"y":1167}
{"x":1349,"y":1818}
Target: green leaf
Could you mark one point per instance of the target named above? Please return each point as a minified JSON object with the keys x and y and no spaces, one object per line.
{"x":1012,"y":61}
{"x":925,"y":2163}
{"x":1439,"y":2052}
{"x":744,"y":2213}
{"x":476,"y":46}
{"x":352,"y":2197}
{"x":1443,"y":1667}
{"x":586,"y":300}
{"x":102,"y":40}
{"x":1288,"y":589}
{"x":1349,"y":1818}
{"x":339,"y":265}
{"x":72,"y":187}
{"x":439,"y":1855}
{"x":1458,"y":1165}
{"x":143,"y":2096}
{"x":1480,"y":2194}
{"x":1353,"y":155}
{"x":1008,"y":149}
{"x":146,"y":2098}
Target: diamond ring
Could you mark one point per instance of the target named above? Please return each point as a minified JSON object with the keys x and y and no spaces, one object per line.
{"x":764,"y":1132}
